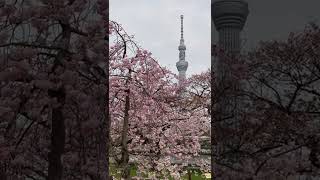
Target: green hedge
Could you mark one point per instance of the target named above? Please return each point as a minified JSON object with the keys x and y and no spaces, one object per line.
{"x":116,"y":172}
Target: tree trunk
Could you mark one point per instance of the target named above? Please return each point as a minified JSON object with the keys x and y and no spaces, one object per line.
{"x":55,"y":169}
{"x":57,"y":145}
{"x":3,"y":175}
{"x":125,"y":153}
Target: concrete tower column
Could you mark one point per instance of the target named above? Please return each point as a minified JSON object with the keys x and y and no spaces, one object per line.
{"x":229,"y":17}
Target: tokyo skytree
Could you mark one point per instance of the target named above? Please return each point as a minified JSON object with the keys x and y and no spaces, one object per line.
{"x":182,"y":64}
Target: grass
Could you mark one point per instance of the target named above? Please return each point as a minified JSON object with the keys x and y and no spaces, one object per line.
{"x":116,"y":172}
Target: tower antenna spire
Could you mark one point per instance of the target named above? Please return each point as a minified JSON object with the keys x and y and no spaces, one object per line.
{"x":181,"y":17}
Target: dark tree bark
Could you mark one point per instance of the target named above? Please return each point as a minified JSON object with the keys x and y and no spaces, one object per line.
{"x":57,"y":145}
{"x":55,"y":168}
{"x":125,"y":152}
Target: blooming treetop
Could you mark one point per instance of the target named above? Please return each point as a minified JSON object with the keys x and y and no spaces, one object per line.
{"x":158,"y":131}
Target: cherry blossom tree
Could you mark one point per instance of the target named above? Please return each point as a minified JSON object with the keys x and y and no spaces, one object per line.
{"x":53,"y":83}
{"x":278,"y":132}
{"x":149,"y":123}
{"x":199,"y":89}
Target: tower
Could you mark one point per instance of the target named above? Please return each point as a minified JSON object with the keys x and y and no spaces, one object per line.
{"x":229,"y":17}
{"x":182,"y":64}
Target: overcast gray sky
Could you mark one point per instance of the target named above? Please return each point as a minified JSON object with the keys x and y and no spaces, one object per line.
{"x":156,"y":26}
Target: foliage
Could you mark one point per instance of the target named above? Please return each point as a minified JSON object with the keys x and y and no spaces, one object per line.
{"x":149,"y":122}
{"x":277,"y":135}
{"x":52,"y":89}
